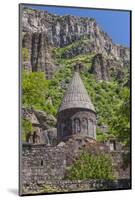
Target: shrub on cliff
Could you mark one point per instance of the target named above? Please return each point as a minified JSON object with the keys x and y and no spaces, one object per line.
{"x":120,"y":121}
{"x":34,"y":88}
{"x":26,"y":128}
{"x":35,"y":92}
{"x":91,"y":167}
{"x":25,"y":54}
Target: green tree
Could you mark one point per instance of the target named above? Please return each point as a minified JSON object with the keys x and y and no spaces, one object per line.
{"x":34,"y":89}
{"x":120,"y":122}
{"x":91,"y":167}
{"x":26,"y":128}
{"x":25,"y":54}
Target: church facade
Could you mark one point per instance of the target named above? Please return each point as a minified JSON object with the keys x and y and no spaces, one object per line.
{"x":76,"y":114}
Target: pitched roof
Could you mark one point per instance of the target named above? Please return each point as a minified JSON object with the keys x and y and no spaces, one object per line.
{"x":76,"y":95}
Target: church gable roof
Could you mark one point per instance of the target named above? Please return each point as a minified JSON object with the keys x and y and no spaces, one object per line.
{"x":76,"y":95}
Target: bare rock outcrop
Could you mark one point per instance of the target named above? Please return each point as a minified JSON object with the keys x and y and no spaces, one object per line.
{"x":41,"y":31}
{"x":40,"y":56}
{"x":100,"y":68}
{"x":43,"y":127}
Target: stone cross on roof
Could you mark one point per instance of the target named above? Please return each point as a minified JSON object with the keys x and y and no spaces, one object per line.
{"x":78,"y":67}
{"x":76,"y":95}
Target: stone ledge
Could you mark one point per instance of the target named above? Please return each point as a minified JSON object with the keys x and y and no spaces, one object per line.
{"x":76,"y":185}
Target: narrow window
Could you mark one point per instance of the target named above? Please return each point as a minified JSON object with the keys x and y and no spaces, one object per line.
{"x":112,"y":145}
{"x":42,"y":163}
{"x":34,"y":137}
{"x":77,"y":127}
{"x":85,"y":126}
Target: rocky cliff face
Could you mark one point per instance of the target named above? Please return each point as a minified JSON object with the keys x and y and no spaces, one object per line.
{"x":42,"y":31}
{"x":40,"y":53}
{"x":43,"y":127}
{"x":100,"y":67}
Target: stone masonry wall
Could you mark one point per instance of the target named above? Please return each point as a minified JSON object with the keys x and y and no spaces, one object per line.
{"x":41,"y":163}
{"x":77,"y":185}
{"x":45,"y":165}
{"x":76,"y":121}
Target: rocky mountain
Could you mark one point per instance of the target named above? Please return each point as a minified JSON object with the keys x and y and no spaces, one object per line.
{"x":54,"y":44}
{"x":42,"y":32}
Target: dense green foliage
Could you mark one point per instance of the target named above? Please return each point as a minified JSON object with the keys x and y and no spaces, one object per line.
{"x":35,"y":91}
{"x":60,"y":52}
{"x":111,"y":99}
{"x":26,"y":128}
{"x":25,"y":54}
{"x":120,"y":122}
{"x":91,"y":167}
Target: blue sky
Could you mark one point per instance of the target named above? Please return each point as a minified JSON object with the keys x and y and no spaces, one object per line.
{"x":115,"y":23}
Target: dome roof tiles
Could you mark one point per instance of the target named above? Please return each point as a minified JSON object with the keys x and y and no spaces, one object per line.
{"x":76,"y":95}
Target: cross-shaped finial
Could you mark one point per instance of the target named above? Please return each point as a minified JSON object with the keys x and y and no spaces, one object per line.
{"x":78,"y":67}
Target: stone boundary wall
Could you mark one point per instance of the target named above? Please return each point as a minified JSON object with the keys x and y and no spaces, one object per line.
{"x":41,"y":162}
{"x":77,"y":185}
{"x":90,"y":184}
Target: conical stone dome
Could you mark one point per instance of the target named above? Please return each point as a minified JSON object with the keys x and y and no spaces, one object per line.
{"x":76,"y":95}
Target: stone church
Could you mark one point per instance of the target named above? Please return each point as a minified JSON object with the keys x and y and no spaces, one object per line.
{"x":76,"y":114}
{"x":46,"y":164}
